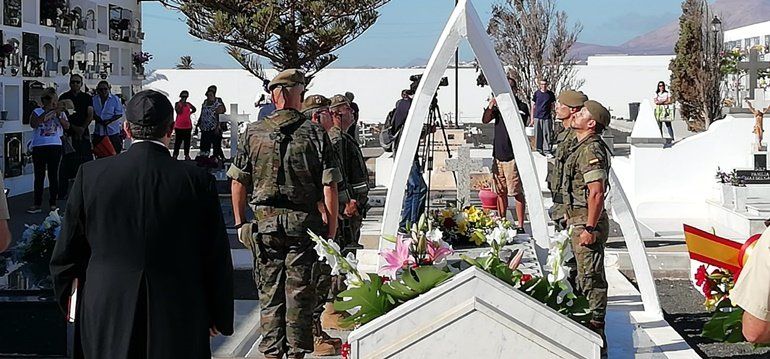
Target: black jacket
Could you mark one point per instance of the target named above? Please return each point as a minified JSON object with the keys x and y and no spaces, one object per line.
{"x":145,"y":231}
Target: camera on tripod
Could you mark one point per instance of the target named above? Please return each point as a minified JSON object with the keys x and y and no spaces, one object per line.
{"x":416,"y":82}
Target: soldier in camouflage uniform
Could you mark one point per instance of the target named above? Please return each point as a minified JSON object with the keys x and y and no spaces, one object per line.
{"x":354,"y":172}
{"x":316,"y":108}
{"x":585,"y":183}
{"x":568,"y":104}
{"x":287,"y":161}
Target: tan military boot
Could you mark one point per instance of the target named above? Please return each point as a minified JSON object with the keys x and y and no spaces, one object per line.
{"x":330,"y":319}
{"x":323,"y":348}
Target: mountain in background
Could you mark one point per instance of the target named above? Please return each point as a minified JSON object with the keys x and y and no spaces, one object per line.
{"x":733,"y":13}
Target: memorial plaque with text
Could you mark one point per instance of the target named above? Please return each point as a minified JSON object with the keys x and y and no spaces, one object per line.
{"x":754,"y":176}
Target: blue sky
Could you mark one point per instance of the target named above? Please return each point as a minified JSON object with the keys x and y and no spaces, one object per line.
{"x":408,"y":29}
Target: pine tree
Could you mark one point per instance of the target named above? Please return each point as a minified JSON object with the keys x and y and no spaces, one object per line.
{"x":299,"y":34}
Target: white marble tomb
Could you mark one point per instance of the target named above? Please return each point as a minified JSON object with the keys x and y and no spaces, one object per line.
{"x":473,"y":315}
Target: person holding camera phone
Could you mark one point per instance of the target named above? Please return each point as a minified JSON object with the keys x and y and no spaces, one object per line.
{"x":49,"y":123}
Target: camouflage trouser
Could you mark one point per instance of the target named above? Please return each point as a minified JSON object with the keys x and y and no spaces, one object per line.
{"x":286,"y":293}
{"x":327,"y":287}
{"x":591,"y":280}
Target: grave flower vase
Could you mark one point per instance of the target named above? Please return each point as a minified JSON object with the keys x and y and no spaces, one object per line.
{"x":488,"y":198}
{"x":727,"y":196}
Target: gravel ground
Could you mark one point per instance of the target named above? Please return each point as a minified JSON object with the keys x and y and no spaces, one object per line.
{"x":683,"y":308}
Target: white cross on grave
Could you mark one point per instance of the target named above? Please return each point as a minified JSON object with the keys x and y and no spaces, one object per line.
{"x":462,"y":166}
{"x":234,"y":119}
{"x":753,"y":66}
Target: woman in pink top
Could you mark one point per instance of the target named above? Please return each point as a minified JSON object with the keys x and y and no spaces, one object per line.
{"x":183,"y":125}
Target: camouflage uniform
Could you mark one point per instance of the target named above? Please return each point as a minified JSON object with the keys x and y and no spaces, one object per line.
{"x":564,"y":142}
{"x":287,"y":160}
{"x":589,"y":162}
{"x":356,"y":178}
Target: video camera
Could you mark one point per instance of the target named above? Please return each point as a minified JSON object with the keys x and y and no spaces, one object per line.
{"x":416,"y":82}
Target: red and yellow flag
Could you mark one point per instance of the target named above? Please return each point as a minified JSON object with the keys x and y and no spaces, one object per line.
{"x":711,"y":249}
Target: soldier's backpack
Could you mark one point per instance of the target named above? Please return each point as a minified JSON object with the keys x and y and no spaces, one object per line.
{"x":286,"y":161}
{"x":387,"y":135}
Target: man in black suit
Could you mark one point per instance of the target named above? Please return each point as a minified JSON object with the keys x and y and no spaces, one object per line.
{"x":144,"y":236}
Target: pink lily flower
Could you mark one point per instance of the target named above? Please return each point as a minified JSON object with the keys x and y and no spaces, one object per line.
{"x":438,"y":251}
{"x":396,"y":259}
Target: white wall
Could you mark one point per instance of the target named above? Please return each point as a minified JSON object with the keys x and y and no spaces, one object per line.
{"x":612,"y":80}
{"x":615,"y":81}
{"x":685,"y":172}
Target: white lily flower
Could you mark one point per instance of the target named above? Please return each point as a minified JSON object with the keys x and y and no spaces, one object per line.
{"x":435,"y":235}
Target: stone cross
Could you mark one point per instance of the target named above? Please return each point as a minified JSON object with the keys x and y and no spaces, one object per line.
{"x":753,"y":66}
{"x":234,"y":118}
{"x":463,"y":165}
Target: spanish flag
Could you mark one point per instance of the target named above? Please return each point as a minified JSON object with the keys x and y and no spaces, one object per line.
{"x":713,"y":250}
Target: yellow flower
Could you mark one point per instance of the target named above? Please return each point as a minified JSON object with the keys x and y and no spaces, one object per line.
{"x":477,"y":237}
{"x":462,"y":225}
{"x":447,"y":213}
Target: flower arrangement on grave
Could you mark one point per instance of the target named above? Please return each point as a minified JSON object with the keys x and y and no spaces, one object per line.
{"x":416,"y":265}
{"x":731,"y":178}
{"x":141,"y":58}
{"x":468,"y":226}
{"x":31,"y":255}
{"x":553,"y":290}
{"x":726,"y":323}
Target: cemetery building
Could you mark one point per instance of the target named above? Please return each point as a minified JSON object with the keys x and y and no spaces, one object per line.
{"x":50,"y":40}
{"x":747,"y":36}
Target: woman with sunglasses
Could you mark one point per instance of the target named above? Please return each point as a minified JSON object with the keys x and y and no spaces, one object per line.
{"x":662,"y":109}
{"x":183,"y":124}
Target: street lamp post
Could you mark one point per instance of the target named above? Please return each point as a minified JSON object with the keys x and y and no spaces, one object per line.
{"x":716,"y":29}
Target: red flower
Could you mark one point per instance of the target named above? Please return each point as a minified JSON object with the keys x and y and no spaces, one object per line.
{"x":345,"y":350}
{"x":449,"y":223}
{"x":701,"y":275}
{"x":707,"y":286}
{"x":384,"y":279}
{"x":526,"y":278}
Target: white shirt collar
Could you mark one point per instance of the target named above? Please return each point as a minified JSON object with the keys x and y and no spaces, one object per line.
{"x":153,"y":141}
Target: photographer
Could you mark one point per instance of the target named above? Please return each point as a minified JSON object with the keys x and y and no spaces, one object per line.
{"x":416,"y":188}
{"x":504,"y":169}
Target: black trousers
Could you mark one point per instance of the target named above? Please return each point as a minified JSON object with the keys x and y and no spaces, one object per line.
{"x":182,"y":136}
{"x":212,"y":140}
{"x":46,"y":159}
{"x":71,"y":162}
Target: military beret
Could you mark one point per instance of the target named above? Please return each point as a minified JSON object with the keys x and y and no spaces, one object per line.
{"x":289,"y":78}
{"x":339,"y":100}
{"x":572,"y":98}
{"x":598,"y":112}
{"x":149,"y":108}
{"x":314,"y":102}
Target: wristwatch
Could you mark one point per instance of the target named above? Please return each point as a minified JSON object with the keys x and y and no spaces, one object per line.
{"x":590,"y":229}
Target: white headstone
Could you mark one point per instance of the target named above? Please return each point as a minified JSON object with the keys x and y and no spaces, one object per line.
{"x":473,"y":315}
{"x":462,"y":165}
{"x":646,"y":130}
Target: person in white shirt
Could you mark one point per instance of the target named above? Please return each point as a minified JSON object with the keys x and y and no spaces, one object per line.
{"x":752,"y":292}
{"x":663,"y":109}
{"x":108,"y":115}
{"x":49,"y":123}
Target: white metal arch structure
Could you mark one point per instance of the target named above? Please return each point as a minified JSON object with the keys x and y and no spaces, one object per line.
{"x":465,"y":23}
